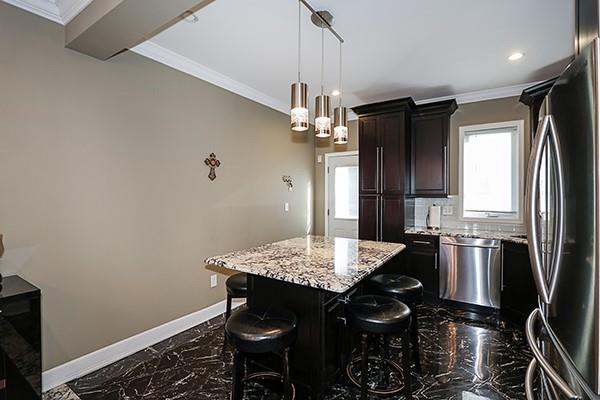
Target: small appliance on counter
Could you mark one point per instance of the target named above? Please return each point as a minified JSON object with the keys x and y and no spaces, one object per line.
{"x":434,"y":218}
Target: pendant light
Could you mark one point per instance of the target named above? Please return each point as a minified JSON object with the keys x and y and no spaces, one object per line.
{"x":340,"y":114}
{"x":322,"y":118}
{"x":299,"y":109}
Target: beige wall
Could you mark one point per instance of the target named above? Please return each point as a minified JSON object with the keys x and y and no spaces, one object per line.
{"x":483,"y":112}
{"x":105,"y":201}
{"x":322,"y":147}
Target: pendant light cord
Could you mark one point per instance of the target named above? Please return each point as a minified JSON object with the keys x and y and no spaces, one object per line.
{"x":299,"y":39}
{"x":340,"y":77}
{"x":322,"y":56}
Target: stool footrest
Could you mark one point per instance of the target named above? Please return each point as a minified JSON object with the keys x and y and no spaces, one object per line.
{"x":382,"y":392}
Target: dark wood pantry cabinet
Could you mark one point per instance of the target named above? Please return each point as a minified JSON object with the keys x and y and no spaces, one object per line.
{"x":429,"y":167}
{"x":383,"y":168}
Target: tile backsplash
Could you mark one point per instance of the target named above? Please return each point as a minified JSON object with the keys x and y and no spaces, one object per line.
{"x":421,"y":206}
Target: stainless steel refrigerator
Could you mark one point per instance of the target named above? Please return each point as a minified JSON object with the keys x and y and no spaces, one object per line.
{"x":562,"y":212}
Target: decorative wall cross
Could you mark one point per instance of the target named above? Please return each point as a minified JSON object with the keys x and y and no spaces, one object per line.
{"x":212,"y":163}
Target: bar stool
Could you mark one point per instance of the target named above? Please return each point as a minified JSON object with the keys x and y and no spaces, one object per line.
{"x":380,"y":315}
{"x":237,"y":287}
{"x":409,"y":291}
{"x":257,"y":331}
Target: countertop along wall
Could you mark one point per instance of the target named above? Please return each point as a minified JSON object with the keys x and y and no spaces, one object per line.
{"x":105,"y":201}
{"x":323,"y":146}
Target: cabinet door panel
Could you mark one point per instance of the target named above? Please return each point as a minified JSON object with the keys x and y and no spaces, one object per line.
{"x":368,"y":155}
{"x":429,"y":155}
{"x":392,"y":218}
{"x":368,"y":215}
{"x":519,"y":294}
{"x":393,"y":153}
{"x":422,"y":264}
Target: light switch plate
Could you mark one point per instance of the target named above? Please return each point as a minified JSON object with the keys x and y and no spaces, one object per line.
{"x":448,"y":210}
{"x":286,"y":207}
{"x":319,"y":158}
{"x":213,"y":280}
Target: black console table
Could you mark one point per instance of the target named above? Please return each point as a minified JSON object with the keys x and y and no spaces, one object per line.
{"x":20,"y":340}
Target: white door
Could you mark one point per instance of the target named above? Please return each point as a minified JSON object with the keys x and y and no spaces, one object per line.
{"x":342,"y":194}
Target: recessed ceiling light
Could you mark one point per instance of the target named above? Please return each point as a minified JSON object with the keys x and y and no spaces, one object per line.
{"x":190,"y":17}
{"x":336,"y":93}
{"x":515,"y":56}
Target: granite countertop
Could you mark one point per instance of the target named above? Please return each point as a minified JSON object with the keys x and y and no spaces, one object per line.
{"x":474,"y":233}
{"x":334,"y":264}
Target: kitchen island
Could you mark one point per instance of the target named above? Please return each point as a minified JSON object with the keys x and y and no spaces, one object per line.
{"x":314,"y":277}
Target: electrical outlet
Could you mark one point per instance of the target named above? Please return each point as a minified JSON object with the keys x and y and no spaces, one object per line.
{"x":286,"y":207}
{"x":448,"y":210}
{"x":213,"y":280}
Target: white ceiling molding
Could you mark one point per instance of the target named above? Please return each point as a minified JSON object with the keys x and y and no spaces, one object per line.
{"x":174,"y":60}
{"x":44,"y":8}
{"x":167,"y":57}
{"x":69,"y":9}
{"x":59,"y":11}
{"x":482,"y":95}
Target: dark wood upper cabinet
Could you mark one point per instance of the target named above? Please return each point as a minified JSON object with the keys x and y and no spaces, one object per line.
{"x":429,"y":167}
{"x":393,"y":151}
{"x":368,"y":156}
{"x":533,"y":97}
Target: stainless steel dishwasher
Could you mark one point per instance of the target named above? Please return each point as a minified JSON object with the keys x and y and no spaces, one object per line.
{"x":471,"y":270}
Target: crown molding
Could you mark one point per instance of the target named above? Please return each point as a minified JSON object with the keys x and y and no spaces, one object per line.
{"x":174,"y":60}
{"x":59,"y":11}
{"x":69,"y":9}
{"x":482,"y":95}
{"x":44,"y":8}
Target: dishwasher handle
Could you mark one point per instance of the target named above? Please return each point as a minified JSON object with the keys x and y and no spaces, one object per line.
{"x":483,"y":246}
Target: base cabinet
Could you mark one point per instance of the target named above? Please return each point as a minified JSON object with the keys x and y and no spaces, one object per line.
{"x":421,"y":262}
{"x":519,"y":294}
{"x":20,"y":341}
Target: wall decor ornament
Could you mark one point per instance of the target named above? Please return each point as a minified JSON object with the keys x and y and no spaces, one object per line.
{"x":212,"y":163}
{"x":288,"y":181}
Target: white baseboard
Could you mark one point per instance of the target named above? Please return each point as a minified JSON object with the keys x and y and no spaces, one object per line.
{"x":101,"y":358}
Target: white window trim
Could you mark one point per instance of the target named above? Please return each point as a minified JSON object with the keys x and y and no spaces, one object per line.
{"x":520,"y":126}
{"x":328,"y":156}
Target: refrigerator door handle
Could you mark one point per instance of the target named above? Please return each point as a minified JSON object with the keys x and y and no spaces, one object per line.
{"x":554,"y":377}
{"x":529,"y":380}
{"x":531,"y":195}
{"x":559,"y":236}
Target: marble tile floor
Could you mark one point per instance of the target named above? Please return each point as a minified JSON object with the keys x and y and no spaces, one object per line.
{"x":462,"y":358}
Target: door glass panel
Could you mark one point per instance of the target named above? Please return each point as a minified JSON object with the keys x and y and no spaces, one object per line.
{"x":346,"y":192}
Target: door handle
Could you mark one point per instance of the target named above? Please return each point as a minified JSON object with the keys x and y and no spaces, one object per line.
{"x":381,"y":170}
{"x":529,"y":380}
{"x":482,"y":246}
{"x":421,"y":242}
{"x":531,"y":203}
{"x":559,"y":226}
{"x":378,"y":171}
{"x":555,"y":378}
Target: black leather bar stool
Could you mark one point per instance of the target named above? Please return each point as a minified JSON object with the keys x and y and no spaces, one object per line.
{"x":237,"y":288}
{"x":256,"y":331}
{"x":385,"y":316}
{"x":409,"y":291}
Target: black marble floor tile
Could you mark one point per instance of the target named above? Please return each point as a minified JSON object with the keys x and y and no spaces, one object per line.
{"x":462,"y":358}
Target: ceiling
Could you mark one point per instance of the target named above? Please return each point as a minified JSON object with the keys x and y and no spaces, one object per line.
{"x":420,"y":48}
{"x":426,"y":49}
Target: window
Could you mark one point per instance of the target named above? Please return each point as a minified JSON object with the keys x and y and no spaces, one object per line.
{"x":491,"y":171}
{"x":346,"y":192}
